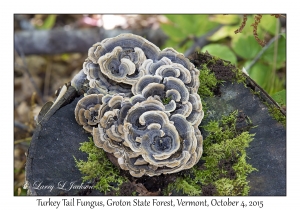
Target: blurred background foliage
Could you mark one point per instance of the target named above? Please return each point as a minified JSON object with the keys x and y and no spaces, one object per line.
{"x":186,"y":33}
{"x":216,"y":33}
{"x":265,"y":65}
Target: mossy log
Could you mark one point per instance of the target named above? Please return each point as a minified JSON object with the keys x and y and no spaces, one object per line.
{"x":51,"y":161}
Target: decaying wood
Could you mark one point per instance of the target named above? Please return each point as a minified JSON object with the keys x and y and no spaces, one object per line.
{"x":61,"y":40}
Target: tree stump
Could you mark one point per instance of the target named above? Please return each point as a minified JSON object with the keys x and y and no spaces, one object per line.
{"x":56,"y":141}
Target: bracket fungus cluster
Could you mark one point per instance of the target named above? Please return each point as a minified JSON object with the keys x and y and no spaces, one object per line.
{"x":141,"y":105}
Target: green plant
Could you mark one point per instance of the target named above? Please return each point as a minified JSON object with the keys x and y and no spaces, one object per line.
{"x":208,"y":82}
{"x":183,"y":29}
{"x":48,"y":22}
{"x":276,"y":114}
{"x":166,"y":100}
{"x":280,"y":97}
{"x":237,"y":40}
{"x":99,"y":168}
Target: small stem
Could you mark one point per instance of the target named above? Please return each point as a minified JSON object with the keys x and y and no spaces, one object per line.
{"x":274,"y":58}
{"x":24,"y":67}
{"x":261,"y":52}
{"x":22,"y":140}
{"x":21,"y":126}
{"x":47,"y":76}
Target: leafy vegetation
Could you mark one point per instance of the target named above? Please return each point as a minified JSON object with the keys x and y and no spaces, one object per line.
{"x":182,"y":29}
{"x":221,"y":51}
{"x":280,"y":97}
{"x":267,"y":64}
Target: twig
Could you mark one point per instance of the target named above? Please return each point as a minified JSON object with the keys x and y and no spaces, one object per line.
{"x":201,"y":41}
{"x":261,"y":52}
{"x":47,"y":76}
{"x":274,"y":59}
{"x":31,"y":115}
{"x":24,"y":67}
{"x":19,"y":191}
{"x":22,"y":140}
{"x":21,"y":126}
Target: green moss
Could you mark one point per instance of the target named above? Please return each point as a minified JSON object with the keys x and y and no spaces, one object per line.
{"x":240,"y":77}
{"x":225,"y":165}
{"x":226,"y":63}
{"x":204,"y":107}
{"x":273,"y":110}
{"x":208,"y":82}
{"x":223,"y":143}
{"x":98,"y":167}
{"x":276,"y":114}
{"x":183,"y":185}
{"x":166,"y":100}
